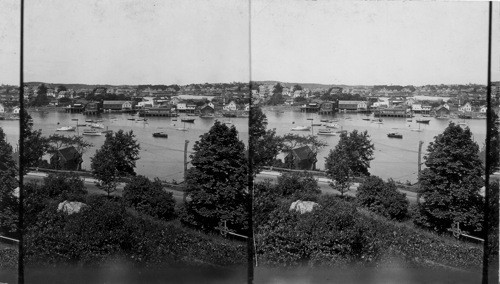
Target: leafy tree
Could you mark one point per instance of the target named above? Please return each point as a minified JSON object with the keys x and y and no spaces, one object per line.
{"x":276,"y":99}
{"x":383,"y":198}
{"x":104,"y":168}
{"x":9,"y":204}
{"x":297,"y":87}
{"x":494,"y":154}
{"x":35,"y":145}
{"x":451,"y":182}
{"x":300,"y":100}
{"x":337,"y":168}
{"x":123,"y":149}
{"x":41,"y":98}
{"x":277,"y":89}
{"x":265,"y":145}
{"x":216,"y":182}
{"x":149,"y":197}
{"x":292,"y":141}
{"x":358,"y":149}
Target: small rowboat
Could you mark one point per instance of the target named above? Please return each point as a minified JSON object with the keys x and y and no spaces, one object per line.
{"x":395,"y":135}
{"x":160,"y":135}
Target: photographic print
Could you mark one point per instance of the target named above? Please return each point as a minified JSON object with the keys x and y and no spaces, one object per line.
{"x":249,"y":141}
{"x":135,"y":141}
{"x":379,"y":113}
{"x":10,"y":38}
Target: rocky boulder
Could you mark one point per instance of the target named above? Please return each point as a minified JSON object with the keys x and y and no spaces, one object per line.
{"x":70,"y":207}
{"x":302,"y":206}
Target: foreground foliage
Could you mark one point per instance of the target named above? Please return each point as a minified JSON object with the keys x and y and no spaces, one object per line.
{"x":337,"y":234}
{"x":106,"y":229}
{"x":148,"y":197}
{"x":382,"y":198}
{"x":451,"y":182}
{"x":9,"y":203}
{"x":216,"y":183}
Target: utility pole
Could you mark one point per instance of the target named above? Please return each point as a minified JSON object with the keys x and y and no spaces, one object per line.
{"x":185,"y":168}
{"x":420,"y":143}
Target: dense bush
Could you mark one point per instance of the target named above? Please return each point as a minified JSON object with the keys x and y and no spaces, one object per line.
{"x":298,"y":186}
{"x":422,"y":248}
{"x":382,"y":198}
{"x":265,"y":200}
{"x":55,"y":188}
{"x":332,"y":234}
{"x":149,"y":198}
{"x":96,"y":232}
{"x":8,"y":259}
{"x":64,"y":186}
{"x":105,"y":229}
{"x":289,"y":187}
{"x":336,"y":234}
{"x":170,"y":243}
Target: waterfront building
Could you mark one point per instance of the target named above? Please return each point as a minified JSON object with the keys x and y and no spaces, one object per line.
{"x":92,"y":108}
{"x":397,"y":111}
{"x":347,"y":106}
{"x":466,"y":108}
{"x":302,"y":158}
{"x":327,"y":108}
{"x":66,"y":159}
{"x":116,"y":105}
{"x":230,"y":106}
{"x":207,"y":109}
{"x":186,"y":107}
{"x":310,"y":107}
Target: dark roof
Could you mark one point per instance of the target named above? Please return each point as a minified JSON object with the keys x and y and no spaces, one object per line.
{"x":303,"y":152}
{"x":69,"y":153}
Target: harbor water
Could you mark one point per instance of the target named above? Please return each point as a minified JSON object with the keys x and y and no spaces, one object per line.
{"x":393,"y":158}
{"x":163,"y":157}
{"x":159,"y":157}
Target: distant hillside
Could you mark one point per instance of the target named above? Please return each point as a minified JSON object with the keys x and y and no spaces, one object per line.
{"x":75,"y":86}
{"x":309,"y":85}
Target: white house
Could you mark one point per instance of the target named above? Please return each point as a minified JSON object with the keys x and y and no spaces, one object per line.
{"x":16,"y":110}
{"x":2,"y":109}
{"x":382,"y":102}
{"x":465,"y":108}
{"x":362,"y":105}
{"x":185,"y":107}
{"x":483,"y":109}
{"x":146,"y":102}
{"x":127,"y":105}
{"x":416,"y":107}
{"x":230,"y":106}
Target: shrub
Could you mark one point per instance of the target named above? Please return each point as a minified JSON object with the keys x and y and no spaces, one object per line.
{"x":149,"y":198}
{"x":382,"y":198}
{"x":332,"y":234}
{"x":64,"y":186}
{"x":96,"y":232}
{"x":298,"y":186}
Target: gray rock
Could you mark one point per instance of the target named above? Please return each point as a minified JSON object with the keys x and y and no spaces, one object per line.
{"x":303,"y":206}
{"x":70,"y":207}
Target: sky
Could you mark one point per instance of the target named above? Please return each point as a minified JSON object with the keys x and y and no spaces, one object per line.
{"x":10,"y":41}
{"x":371,"y":42}
{"x":137,"y":42}
{"x":198,"y":41}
